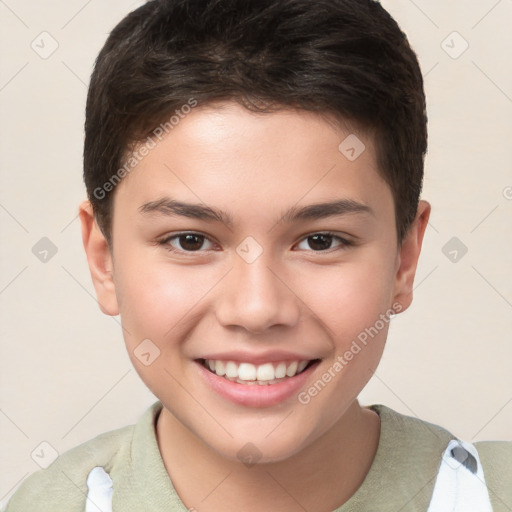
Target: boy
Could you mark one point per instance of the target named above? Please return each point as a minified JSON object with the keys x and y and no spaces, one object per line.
{"x":263,"y":130}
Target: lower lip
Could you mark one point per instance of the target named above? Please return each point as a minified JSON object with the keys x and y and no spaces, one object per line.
{"x":256,"y":395}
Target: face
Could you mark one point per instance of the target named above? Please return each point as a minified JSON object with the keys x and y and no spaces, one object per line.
{"x":250,"y":244}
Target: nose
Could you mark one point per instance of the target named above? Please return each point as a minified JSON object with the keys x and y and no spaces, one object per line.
{"x":255,"y":296}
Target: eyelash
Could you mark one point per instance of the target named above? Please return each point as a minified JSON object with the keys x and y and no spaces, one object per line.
{"x":165,"y":242}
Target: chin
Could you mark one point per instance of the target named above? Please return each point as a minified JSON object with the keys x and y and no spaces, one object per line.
{"x":260,"y":448}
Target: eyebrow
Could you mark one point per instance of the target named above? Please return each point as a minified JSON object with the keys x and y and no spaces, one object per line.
{"x":324,"y":210}
{"x":167,"y":206}
{"x":171,"y":207}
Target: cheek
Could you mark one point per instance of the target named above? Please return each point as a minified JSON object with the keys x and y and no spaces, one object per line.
{"x":159,"y":302}
{"x":158,"y":299}
{"x":354,"y":304}
{"x":350,"y":298}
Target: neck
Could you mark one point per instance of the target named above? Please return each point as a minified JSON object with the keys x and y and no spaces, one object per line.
{"x":334,"y":465}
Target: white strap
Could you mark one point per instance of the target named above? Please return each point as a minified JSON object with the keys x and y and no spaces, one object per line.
{"x":460,"y":484}
{"x":99,"y":497}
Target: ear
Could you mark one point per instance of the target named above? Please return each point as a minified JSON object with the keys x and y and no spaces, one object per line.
{"x":408,"y":256}
{"x":99,"y":259}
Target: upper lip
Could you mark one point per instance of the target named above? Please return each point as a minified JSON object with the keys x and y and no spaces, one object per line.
{"x":257,"y":358}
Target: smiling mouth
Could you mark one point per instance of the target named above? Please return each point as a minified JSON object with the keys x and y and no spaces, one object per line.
{"x":263,"y":374}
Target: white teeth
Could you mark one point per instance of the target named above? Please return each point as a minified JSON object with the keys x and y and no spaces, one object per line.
{"x":252,"y":374}
{"x":219,"y":368}
{"x":231,"y":370}
{"x":302,"y":365}
{"x":292,"y":369}
{"x":265,"y":372}
{"x":280,"y":370}
{"x":246,"y":371}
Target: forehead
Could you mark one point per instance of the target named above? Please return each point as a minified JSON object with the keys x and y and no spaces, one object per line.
{"x":225,"y":155}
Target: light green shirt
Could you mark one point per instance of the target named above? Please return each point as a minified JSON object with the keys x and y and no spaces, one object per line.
{"x":401,"y":478}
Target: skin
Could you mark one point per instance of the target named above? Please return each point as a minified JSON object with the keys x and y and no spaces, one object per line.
{"x":294,"y":297}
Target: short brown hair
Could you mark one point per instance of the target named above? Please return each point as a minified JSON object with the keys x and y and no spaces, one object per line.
{"x":346,"y":58}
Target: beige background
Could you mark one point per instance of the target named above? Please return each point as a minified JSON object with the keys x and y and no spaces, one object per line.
{"x":65,"y":375}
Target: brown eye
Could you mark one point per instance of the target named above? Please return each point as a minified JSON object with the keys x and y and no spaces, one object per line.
{"x":191,"y":242}
{"x":320,"y":242}
{"x":185,"y":242}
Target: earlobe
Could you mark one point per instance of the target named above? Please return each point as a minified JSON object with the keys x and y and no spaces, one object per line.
{"x":99,"y":259}
{"x":409,"y":255}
